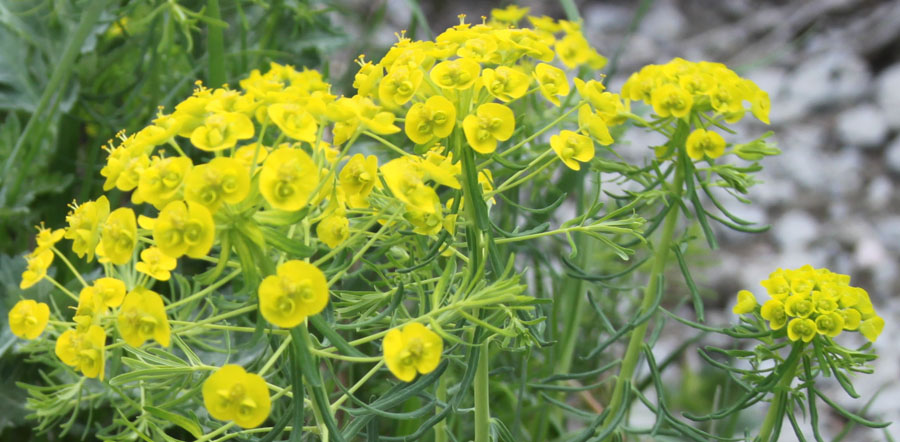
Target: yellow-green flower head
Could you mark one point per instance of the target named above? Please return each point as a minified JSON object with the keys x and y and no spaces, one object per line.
{"x":333,"y":229}
{"x":545,"y":23}
{"x":510,"y":14}
{"x":505,"y":83}
{"x":47,"y":238}
{"x":163,"y":130}
{"x":872,"y":327}
{"x":86,"y":352}
{"x":367,"y":77}
{"x":574,"y":51}
{"x":491,"y":122}
{"x":125,"y":163}
{"x":222,"y":180}
{"x":298,"y":290}
{"x":425,"y":222}
{"x":481,"y":47}
{"x":84,"y":226}
{"x":399,"y":85}
{"x":802,"y":328}
{"x":143,"y":317}
{"x":702,"y":142}
{"x":746,"y":303}
{"x":247,"y":153}
{"x":824,"y":303}
{"x":412,"y":349}
{"x":441,"y":169}
{"x":294,"y":121}
{"x":184,"y":228}
{"x":777,"y":287}
{"x":161,"y":181}
{"x":404,"y":179}
{"x":192,"y":112}
{"x":455,"y":74}
{"x":357,"y":179}
{"x":156,"y":264}
{"x":799,"y":306}
{"x":572,"y":148}
{"x":830,"y":324}
{"x":671,"y":100}
{"x":435,"y":118}
{"x":221,"y":131}
{"x":28,"y":318}
{"x":852,"y":318}
{"x":773,"y":311}
{"x":89,"y":309}
{"x":232,"y":394}
{"x":594,"y":125}
{"x":288,"y":178}
{"x":119,"y":236}
{"x":552,"y":82}
{"x":108,"y":292}
{"x":38,"y":263}
{"x":727,"y":97}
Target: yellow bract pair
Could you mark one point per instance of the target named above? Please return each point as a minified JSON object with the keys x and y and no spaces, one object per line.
{"x":143,"y":316}
{"x":28,"y":318}
{"x":85,"y":351}
{"x":412,"y":349}
{"x":232,"y":394}
{"x":299,"y":289}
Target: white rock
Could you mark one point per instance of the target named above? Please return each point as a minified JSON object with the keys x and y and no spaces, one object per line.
{"x":870,"y":253}
{"x":664,"y":22}
{"x":836,"y":76}
{"x":888,"y":94}
{"x":795,"y":230}
{"x":889,"y":232}
{"x":892,"y":156}
{"x":879,"y":192}
{"x":862,"y":126}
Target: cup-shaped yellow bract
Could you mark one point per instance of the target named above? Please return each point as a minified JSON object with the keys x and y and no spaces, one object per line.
{"x":119,"y":236}
{"x":232,"y":394}
{"x":156,"y":264}
{"x":872,"y":327}
{"x":47,"y":238}
{"x":572,"y":148}
{"x":84,"y":226}
{"x":159,"y":184}
{"x":399,"y":85}
{"x":593,"y":124}
{"x":297,"y":290}
{"x":222,"y":180}
{"x":801,"y":328}
{"x":777,"y":287}
{"x":184,"y":228}
{"x":143,"y":316}
{"x":490,"y":123}
{"x":405,"y":180}
{"x":222,"y":130}
{"x":28,"y":318}
{"x":435,"y":118}
{"x":746,"y":302}
{"x":333,"y":229}
{"x":455,"y":74}
{"x":800,"y":306}
{"x":357,"y":179}
{"x":294,"y":121}
{"x":704,"y":142}
{"x":411,"y":349}
{"x":852,"y":318}
{"x":670,"y":100}
{"x":773,"y":311}
{"x":831,"y":324}
{"x":85,"y":351}
{"x":552,"y":82}
{"x":109,"y":292}
{"x":38,"y":263}
{"x":505,"y":83}
{"x":89,"y":309}
{"x":288,"y":178}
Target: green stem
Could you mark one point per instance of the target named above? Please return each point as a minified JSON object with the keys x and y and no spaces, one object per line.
{"x":661,"y":253}
{"x":777,"y":406}
{"x":440,"y":428}
{"x":215,"y":46}
{"x":482,"y":393}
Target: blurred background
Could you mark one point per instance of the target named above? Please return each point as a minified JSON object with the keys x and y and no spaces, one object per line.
{"x":69,"y":81}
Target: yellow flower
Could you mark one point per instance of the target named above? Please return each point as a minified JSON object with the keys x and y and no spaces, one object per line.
{"x":46,"y":238}
{"x":572,"y":148}
{"x":159,"y":184}
{"x":432,"y":119}
{"x":704,"y":142}
{"x":777,"y":287}
{"x":84,"y":226}
{"x":357,"y":179}
{"x":28,"y":318}
{"x":424,"y":222}
{"x":119,"y":236}
{"x":221,"y":131}
{"x":505,"y":83}
{"x":294,"y":121}
{"x":760,"y":105}
{"x":510,"y":14}
{"x":288,"y":178}
{"x":222,"y":180}
{"x":156,"y":264}
{"x":594,"y":125}
{"x":184,"y":228}
{"x":109,"y":292}
{"x":455,"y":74}
{"x":746,"y":302}
{"x":799,"y":305}
{"x":773,"y":311}
{"x":399,"y":85}
{"x":872,"y":327}
{"x":671,"y":100}
{"x":125,"y":163}
{"x":410,"y":349}
{"x":367,"y":77}
{"x":143,"y":316}
{"x":406,"y":182}
{"x":298,"y":290}
{"x":552,"y":81}
{"x":830,"y":324}
{"x":801,"y":328}
{"x":246,"y":154}
{"x":89,"y":309}
{"x":233,"y":394}
{"x":574,"y":50}
{"x":851,"y":317}
{"x":490,"y":123}
{"x":84,"y":351}
{"x":333,"y":229}
{"x":439,"y":168}
{"x":37,"y":268}
{"x":727,"y":98}
{"x":823,"y":303}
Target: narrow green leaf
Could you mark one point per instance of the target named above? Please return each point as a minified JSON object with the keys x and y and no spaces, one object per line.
{"x":177,"y":419}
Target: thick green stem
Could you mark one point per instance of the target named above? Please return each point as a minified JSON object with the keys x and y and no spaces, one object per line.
{"x":215,"y":46}
{"x":778,"y":404}
{"x":661,"y":253}
{"x":482,"y":401}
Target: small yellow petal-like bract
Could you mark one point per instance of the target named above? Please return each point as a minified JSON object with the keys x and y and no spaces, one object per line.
{"x":222,"y":130}
{"x":704,"y":142}
{"x":232,"y":394}
{"x":119,"y":236}
{"x":28,"y":318}
{"x":288,"y":178}
{"x":412,"y":349}
{"x":222,"y":180}
{"x":594,"y":125}
{"x":491,"y":122}
{"x":435,"y":118}
{"x":399,"y":85}
{"x":333,"y":229}
{"x":184,"y":228}
{"x":357,"y":179}
{"x":160,"y":183}
{"x":872,"y":327}
{"x":746,"y":302}
{"x":801,"y":328}
{"x":156,"y":264}
{"x":773,"y":311}
{"x":297,"y":290}
{"x":455,"y":74}
{"x":831,"y":324}
{"x":800,"y":306}
{"x":109,"y":292}
{"x":84,"y":226}
{"x":851,"y":317}
{"x":294,"y":121}
{"x":572,"y":148}
{"x":47,"y":238}
{"x":405,"y":179}
{"x":671,"y":100}
{"x":38,"y":263}
{"x":86,"y":351}
{"x":505,"y":83}
{"x":552,"y":82}
{"x":143,"y":317}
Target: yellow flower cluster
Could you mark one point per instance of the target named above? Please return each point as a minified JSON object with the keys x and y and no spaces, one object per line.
{"x":813,"y":302}
{"x":233,"y":394}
